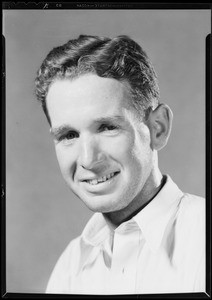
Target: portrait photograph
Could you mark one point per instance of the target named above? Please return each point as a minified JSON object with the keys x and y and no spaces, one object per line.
{"x":105,"y":150}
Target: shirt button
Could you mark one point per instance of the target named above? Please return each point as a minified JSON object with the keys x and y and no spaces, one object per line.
{"x":123,"y":270}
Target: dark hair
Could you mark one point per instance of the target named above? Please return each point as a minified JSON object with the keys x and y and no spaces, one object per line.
{"x":120,"y":58}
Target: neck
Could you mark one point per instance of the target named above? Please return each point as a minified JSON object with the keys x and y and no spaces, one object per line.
{"x":139,"y":202}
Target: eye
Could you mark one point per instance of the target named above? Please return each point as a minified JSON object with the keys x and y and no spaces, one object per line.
{"x":107,"y":127}
{"x":69,"y":136}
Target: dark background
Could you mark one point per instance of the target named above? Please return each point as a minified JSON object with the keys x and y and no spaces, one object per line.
{"x":42,"y":215}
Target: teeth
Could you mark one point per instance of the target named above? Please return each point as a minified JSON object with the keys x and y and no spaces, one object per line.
{"x":102,"y":179}
{"x":110,"y":175}
{"x":94,"y":181}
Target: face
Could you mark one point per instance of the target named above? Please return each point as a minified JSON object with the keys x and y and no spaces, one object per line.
{"x":102,"y":148}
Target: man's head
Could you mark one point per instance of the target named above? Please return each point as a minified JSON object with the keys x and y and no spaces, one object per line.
{"x":101,"y":100}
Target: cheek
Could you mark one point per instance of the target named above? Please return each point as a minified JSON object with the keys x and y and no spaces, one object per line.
{"x":141,"y":149}
{"x":138,"y":157}
{"x":118,"y":148}
{"x":65,"y":159}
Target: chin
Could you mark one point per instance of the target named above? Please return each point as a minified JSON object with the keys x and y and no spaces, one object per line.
{"x":98,"y":204}
{"x":98,"y":208}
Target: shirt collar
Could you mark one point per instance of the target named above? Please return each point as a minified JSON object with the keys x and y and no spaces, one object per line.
{"x":94,"y":234}
{"x":153,"y":219}
{"x":97,"y":230}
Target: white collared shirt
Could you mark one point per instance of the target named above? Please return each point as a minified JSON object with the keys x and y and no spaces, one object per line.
{"x":160,"y":250}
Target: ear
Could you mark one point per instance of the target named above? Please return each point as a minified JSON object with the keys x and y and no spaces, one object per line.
{"x":160,"y":123}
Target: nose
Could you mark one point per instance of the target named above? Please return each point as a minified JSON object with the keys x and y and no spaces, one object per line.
{"x":90,"y":153}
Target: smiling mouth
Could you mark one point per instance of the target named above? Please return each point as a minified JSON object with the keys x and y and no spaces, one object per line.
{"x":101,"y":179}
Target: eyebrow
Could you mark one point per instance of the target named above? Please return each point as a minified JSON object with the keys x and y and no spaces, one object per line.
{"x":60,"y":129}
{"x":64,"y":128}
{"x":109,"y":119}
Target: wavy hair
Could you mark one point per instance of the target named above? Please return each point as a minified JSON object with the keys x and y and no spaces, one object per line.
{"x":120,"y":58}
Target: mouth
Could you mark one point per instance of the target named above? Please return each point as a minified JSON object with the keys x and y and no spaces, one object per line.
{"x":102,"y":179}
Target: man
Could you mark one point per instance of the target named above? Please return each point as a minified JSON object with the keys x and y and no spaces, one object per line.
{"x":101,"y":99}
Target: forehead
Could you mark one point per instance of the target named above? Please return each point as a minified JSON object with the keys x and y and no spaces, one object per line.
{"x":87,"y":96}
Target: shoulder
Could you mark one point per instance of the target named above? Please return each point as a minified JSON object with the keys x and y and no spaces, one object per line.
{"x":189,"y":237}
{"x":61,"y":276}
{"x":74,"y":244}
{"x":192,"y":208}
{"x":190,"y":222}
{"x":66,"y":257}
